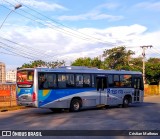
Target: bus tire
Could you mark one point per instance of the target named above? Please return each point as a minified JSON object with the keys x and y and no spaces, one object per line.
{"x":125,"y":102}
{"x":75,"y":105}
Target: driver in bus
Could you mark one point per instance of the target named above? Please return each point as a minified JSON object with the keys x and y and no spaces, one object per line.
{"x":41,"y":81}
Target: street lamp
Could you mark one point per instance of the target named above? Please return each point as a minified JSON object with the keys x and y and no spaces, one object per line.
{"x":15,"y":8}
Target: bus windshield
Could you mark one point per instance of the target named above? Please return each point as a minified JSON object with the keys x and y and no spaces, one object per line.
{"x":25,"y":78}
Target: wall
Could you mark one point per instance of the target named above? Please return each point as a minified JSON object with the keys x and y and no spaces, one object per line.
{"x":151,"y":90}
{"x":8,"y":95}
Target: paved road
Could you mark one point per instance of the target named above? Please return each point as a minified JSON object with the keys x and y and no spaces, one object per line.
{"x":145,"y":116}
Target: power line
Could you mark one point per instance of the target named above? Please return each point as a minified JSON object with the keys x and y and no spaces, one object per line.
{"x":22,"y":53}
{"x":29,"y":50}
{"x":39,"y":51}
{"x":59,"y":23}
{"x":156,"y":50}
{"x":8,"y":53}
{"x":55,"y":27}
{"x":12,"y":49}
{"x":15,"y":52}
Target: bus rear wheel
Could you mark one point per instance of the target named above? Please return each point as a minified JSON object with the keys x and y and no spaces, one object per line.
{"x":75,"y":105}
{"x":125,"y":102}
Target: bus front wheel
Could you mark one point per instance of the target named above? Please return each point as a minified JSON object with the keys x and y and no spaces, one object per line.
{"x":125,"y":102}
{"x":75,"y":105}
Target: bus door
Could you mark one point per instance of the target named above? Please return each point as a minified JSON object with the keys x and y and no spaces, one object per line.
{"x":137,"y":89}
{"x":101,"y":83}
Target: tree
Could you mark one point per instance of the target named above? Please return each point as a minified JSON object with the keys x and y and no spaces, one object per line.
{"x":136,"y":64}
{"x":82,"y":62}
{"x":40,"y":63}
{"x":153,"y":70}
{"x":118,"y":58}
{"x":95,"y":62}
{"x":54,"y":64}
{"x":87,"y":61}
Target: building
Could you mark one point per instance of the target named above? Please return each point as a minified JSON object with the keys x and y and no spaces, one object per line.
{"x":11,"y":76}
{"x":2,"y":72}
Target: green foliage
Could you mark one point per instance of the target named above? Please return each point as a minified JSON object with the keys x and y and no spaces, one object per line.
{"x":40,"y":63}
{"x":117,"y":58}
{"x":136,"y":64}
{"x":153,"y":70}
{"x":95,"y":62}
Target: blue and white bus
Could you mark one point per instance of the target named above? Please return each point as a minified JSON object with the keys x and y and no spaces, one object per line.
{"x":75,"y":87}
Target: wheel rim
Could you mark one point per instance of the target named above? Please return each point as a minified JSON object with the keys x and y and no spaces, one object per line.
{"x":126,"y":101}
{"x":76,"y":106}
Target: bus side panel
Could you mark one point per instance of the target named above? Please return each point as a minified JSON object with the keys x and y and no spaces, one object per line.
{"x":61,"y":98}
{"x":115,"y":96}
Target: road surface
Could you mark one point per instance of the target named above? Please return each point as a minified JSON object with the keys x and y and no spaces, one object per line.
{"x":145,"y":116}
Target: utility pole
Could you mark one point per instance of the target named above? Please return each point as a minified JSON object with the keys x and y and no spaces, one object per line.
{"x":143,"y":54}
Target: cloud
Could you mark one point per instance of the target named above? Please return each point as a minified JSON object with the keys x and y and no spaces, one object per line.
{"x":149,"y":5}
{"x":93,"y":15}
{"x":40,"y":5}
{"x":59,"y":46}
{"x":108,"y":6}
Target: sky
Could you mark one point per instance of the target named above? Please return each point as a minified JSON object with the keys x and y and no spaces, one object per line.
{"x":53,"y":30}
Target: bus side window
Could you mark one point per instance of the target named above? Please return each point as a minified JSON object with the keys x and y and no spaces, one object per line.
{"x":70,"y":80}
{"x":51,"y":80}
{"x":61,"y":80}
{"x":110,"y":81}
{"x":79,"y":80}
{"x":47,"y":81}
{"x":116,"y":80}
{"x":125,"y":80}
{"x":86,"y":80}
{"x":41,"y":80}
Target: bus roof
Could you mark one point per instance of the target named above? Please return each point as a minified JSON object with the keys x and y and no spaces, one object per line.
{"x":81,"y":69}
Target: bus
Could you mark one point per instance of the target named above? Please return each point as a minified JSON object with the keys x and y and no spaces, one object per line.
{"x":78,"y":87}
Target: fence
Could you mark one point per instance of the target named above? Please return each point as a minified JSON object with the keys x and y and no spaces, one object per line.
{"x":8,"y":95}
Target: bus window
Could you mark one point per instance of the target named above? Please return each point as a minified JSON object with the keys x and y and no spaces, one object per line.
{"x":70,"y":80}
{"x":125,"y":80}
{"x":25,"y":78}
{"x":61,"y":81}
{"x":41,"y":80}
{"x":51,"y":80}
{"x":79,"y":80}
{"x":47,"y":80}
{"x":110,"y":81}
{"x":116,"y":80}
{"x":86,"y":80}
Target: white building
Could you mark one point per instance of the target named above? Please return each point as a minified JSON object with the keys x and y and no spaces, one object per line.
{"x":11,"y":76}
{"x":2,"y":72}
